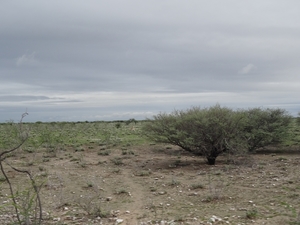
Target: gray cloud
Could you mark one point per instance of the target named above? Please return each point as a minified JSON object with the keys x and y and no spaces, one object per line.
{"x":247,"y":69}
{"x":17,"y":98}
{"x":27,"y":60}
{"x":120,"y":57}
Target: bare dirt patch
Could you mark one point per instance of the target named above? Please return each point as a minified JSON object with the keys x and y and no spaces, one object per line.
{"x":157,"y":184}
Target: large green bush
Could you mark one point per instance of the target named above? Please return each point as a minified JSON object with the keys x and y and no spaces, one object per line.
{"x":212,"y":131}
{"x":266,"y":127}
{"x":208,"y":131}
{"x":298,"y":119}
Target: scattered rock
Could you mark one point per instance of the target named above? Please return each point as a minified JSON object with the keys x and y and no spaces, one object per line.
{"x":56,"y":219}
{"x":243,"y":209}
{"x":214,"y":219}
{"x":118,"y":221}
{"x":193,"y":194}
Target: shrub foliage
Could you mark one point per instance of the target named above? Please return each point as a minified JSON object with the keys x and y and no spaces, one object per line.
{"x":212,"y":131}
{"x":266,"y":127}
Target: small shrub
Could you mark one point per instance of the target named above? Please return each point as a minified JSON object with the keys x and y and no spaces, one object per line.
{"x":103,"y":153}
{"x":29,"y":150}
{"x":104,"y":214}
{"x":212,"y":198}
{"x":153,"y":189}
{"x":179,"y":219}
{"x":44,"y":174}
{"x":117,"y":161}
{"x":90,"y":184}
{"x":196,"y":186}
{"x":116,"y":170}
{"x":121,"y":191}
{"x":251,"y":214}
{"x":143,"y":173}
{"x":41,"y":168}
{"x":83,"y":164}
{"x":79,"y":149}
{"x":101,"y":162}
{"x":126,"y":152}
{"x":72,"y":160}
{"x":174,"y":182}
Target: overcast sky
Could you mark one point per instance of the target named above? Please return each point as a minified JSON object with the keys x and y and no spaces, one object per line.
{"x":91,"y":60}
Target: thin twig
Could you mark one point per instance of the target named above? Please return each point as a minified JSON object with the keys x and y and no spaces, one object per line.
{"x":35,"y":187}
{"x":11,"y":191}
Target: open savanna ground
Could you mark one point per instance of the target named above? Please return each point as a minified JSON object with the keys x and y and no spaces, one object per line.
{"x":108,"y":173}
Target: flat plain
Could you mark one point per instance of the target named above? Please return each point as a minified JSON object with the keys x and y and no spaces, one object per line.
{"x":108,"y":173}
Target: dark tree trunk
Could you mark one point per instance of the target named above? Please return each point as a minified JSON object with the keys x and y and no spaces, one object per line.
{"x":211,"y":160}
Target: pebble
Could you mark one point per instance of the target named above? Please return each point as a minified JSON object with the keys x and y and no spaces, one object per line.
{"x":214,"y":219}
{"x":118,"y":221}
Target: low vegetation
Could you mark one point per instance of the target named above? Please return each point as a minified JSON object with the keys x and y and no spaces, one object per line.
{"x":146,"y":172}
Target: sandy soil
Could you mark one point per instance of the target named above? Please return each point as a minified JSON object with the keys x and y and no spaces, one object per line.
{"x":157,"y":184}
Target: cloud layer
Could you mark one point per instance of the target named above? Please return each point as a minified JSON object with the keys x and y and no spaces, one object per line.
{"x":123,"y":59}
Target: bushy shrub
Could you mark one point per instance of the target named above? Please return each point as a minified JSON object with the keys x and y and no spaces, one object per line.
{"x":298,"y":119}
{"x":265,"y":127}
{"x":208,"y":132}
{"x":212,"y":131}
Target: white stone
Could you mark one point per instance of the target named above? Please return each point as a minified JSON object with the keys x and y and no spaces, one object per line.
{"x":119,"y":221}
